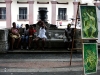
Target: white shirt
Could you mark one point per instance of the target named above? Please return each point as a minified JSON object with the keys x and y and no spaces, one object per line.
{"x":26,"y":32}
{"x":42,"y":32}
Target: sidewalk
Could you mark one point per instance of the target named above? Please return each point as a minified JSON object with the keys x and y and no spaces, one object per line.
{"x":45,"y":64}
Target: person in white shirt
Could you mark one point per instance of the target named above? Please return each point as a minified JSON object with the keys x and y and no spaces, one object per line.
{"x":41,"y":36}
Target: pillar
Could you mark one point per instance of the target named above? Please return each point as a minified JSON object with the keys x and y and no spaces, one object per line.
{"x":8,"y":13}
{"x":31,"y":2}
{"x":75,"y":4}
{"x":53,"y":17}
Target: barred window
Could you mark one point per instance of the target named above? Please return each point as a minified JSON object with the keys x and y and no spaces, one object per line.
{"x":2,"y":12}
{"x":62,"y":13}
{"x":22,"y":12}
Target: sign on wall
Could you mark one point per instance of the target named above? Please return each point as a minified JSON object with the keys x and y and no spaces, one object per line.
{"x":88,"y":17}
{"x":90,"y":58}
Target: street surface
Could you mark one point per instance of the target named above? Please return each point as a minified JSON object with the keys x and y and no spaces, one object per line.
{"x":42,"y":64}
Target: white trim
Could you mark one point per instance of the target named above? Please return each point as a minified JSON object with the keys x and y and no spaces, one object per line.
{"x":44,"y":69}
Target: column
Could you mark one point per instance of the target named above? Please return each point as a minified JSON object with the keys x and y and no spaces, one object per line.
{"x":53,"y":17}
{"x":31,"y":2}
{"x":8,"y":13}
{"x":75,"y":4}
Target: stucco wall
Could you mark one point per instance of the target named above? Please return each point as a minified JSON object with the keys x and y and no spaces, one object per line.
{"x":15,"y":11}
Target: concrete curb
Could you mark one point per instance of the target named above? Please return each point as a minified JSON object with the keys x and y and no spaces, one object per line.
{"x":44,"y":69}
{"x":16,"y":60}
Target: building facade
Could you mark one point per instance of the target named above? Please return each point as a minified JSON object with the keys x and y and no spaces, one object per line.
{"x":26,"y":11}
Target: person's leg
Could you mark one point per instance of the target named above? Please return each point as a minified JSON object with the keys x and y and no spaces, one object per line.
{"x":43,"y":43}
{"x":69,"y":45}
{"x":19,"y":39}
{"x":26,"y":41}
{"x":12,"y":42}
{"x":37,"y":42}
{"x":30,"y":40}
{"x":22,"y":41}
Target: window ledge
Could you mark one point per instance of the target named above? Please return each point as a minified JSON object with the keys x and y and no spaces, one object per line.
{"x":2,"y":2}
{"x":39,"y":20}
{"x":22,"y":20}
{"x":61,"y":20}
{"x":2,"y":19}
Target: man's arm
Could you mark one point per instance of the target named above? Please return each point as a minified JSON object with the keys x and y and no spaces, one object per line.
{"x":66,"y":33}
{"x":44,"y":25}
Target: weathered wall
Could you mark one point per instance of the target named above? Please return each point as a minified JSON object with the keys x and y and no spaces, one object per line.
{"x":3,"y":40}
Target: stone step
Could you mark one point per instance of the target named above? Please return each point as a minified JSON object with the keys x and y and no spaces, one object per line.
{"x":47,"y":50}
{"x":37,"y":51}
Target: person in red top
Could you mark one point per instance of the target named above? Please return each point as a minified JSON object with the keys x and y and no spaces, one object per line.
{"x":31,"y":34}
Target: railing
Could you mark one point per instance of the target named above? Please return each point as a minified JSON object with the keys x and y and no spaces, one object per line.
{"x":22,"y":17}
{"x":2,"y":16}
{"x":62,"y":17}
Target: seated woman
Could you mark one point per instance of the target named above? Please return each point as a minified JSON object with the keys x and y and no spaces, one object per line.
{"x":25,"y":37}
{"x":14,"y":35}
{"x":31,"y":34}
{"x":41,"y":35}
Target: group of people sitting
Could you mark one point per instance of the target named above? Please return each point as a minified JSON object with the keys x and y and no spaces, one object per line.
{"x":28,"y":35}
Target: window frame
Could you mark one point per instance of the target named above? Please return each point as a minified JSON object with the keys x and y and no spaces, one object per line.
{"x":24,"y":15}
{"x":62,"y":13}
{"x":3,"y":14}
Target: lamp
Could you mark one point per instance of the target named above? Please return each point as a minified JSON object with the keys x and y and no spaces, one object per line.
{"x":43,"y":14}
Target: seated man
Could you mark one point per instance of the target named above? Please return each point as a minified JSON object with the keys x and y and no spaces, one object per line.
{"x":14,"y":35}
{"x":25,"y":37}
{"x":69,"y":36}
{"x":41,"y":35}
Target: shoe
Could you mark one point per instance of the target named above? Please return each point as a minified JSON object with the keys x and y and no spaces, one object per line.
{"x":68,"y":49}
{"x":27,"y":48}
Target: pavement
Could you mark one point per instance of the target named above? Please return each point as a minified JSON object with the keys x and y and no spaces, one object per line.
{"x":42,"y":64}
